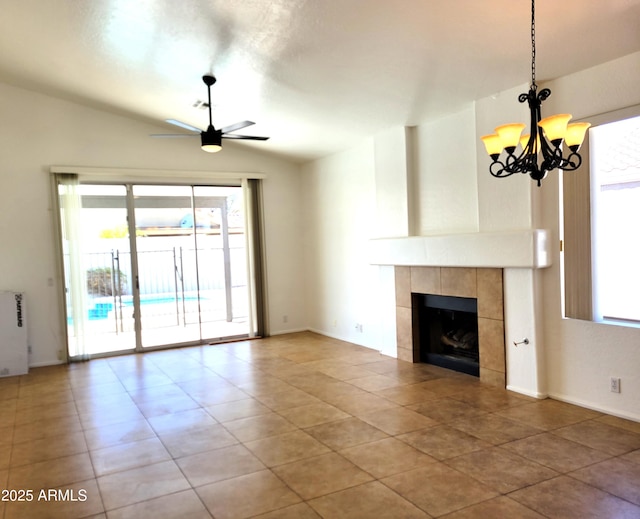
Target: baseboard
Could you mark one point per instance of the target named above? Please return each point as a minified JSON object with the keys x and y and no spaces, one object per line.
{"x":285,"y":332}
{"x":599,"y":408}
{"x":526,"y":392}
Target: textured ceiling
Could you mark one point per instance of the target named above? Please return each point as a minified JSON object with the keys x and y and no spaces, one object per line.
{"x":316,"y":75}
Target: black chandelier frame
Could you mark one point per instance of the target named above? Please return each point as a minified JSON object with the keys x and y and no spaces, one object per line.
{"x":551,"y":152}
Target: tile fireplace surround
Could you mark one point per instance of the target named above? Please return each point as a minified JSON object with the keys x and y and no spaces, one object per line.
{"x":485,"y":284}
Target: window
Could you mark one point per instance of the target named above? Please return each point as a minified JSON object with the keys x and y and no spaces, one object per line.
{"x":601,"y":231}
{"x":615,"y":188}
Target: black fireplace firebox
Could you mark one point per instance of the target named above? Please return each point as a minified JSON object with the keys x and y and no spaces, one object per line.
{"x":445,"y":330}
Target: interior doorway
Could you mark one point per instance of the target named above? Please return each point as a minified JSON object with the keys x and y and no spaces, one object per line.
{"x":150,"y":266}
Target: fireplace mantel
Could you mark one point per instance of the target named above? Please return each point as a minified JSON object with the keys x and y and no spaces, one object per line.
{"x":509,"y":249}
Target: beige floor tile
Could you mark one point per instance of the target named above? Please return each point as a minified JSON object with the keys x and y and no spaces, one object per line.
{"x":285,"y":448}
{"x":298,"y":511}
{"x":568,"y":498}
{"x":407,"y":394}
{"x":53,"y":473}
{"x":247,"y":495}
{"x":105,"y":403}
{"x":375,"y":382}
{"x":5,"y":456}
{"x":398,"y":420}
{"x":496,"y":508}
{"x":41,"y":429}
{"x":182,"y":421}
{"x":500,"y":469}
{"x":182,"y":444}
{"x":141,"y":484}
{"x":53,"y":447}
{"x":495,"y":429}
{"x":9,"y":412}
{"x":601,"y":436}
{"x":446,"y":410}
{"x":349,"y":432}
{"x":44,"y":413}
{"x":287,"y":399}
{"x":6,"y":436}
{"x":261,"y":426}
{"x":492,"y":399}
{"x":229,"y":411}
{"x":548,"y":414}
{"x":366,"y":501}
{"x":266,"y":385}
{"x":116,"y":434}
{"x":555,"y":452}
{"x":52,"y":402}
{"x":314,"y":477}
{"x":167,"y":405}
{"x":313,"y":414}
{"x":185,"y":505}
{"x":386,"y":457}
{"x":341,"y":372}
{"x":103,"y":416}
{"x":361,"y":403}
{"x":438,"y":489}
{"x":219,"y":395}
{"x":216,"y":465}
{"x":128,"y":456}
{"x":452,"y":385}
{"x":633,"y":456}
{"x":616,"y":476}
{"x":443,"y":442}
{"x":620,"y":422}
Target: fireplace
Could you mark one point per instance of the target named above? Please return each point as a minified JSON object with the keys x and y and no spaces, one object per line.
{"x":445,"y":331}
{"x":482,"y":284}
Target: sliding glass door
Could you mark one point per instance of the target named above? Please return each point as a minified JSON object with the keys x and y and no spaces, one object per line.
{"x":154,"y":265}
{"x":191,"y":255}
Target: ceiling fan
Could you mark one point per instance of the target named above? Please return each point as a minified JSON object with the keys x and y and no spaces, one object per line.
{"x":211,"y":138}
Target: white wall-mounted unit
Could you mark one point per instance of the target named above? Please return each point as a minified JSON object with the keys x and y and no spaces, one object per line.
{"x":13,"y":334}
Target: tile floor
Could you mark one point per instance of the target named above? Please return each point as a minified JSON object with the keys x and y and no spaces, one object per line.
{"x":301,"y":426}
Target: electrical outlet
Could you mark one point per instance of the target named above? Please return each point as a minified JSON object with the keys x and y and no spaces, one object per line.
{"x":285,"y":318}
{"x":614,"y":385}
{"x":359,"y":327}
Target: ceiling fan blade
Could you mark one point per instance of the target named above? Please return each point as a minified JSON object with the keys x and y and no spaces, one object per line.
{"x":245,"y":137}
{"x":174,"y":135}
{"x":236,"y":126}
{"x":183,"y":125}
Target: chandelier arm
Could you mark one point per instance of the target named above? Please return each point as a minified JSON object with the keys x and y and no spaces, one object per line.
{"x":500,"y":170}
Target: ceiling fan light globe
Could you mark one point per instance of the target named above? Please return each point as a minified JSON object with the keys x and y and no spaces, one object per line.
{"x":211,"y":148}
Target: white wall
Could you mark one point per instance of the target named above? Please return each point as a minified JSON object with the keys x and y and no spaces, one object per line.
{"x":37,"y":131}
{"x":582,"y":356}
{"x":339,"y":202}
{"x":447,"y":185}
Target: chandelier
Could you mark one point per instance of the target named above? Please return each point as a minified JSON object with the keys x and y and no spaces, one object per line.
{"x":541,"y":150}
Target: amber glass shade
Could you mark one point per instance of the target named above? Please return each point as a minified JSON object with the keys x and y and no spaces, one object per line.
{"x":510,"y":134}
{"x":493,"y":144}
{"x":555,"y":126}
{"x":575,"y":134}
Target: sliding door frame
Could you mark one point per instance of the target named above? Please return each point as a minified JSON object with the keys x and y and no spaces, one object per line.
{"x":252,"y":196}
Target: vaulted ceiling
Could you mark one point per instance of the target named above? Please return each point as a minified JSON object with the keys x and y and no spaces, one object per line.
{"x":315,"y":75}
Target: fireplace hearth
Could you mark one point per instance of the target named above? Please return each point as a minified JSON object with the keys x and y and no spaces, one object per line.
{"x":446,"y":331}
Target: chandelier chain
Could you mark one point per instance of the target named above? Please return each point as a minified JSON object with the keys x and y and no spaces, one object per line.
{"x":533,"y":44}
